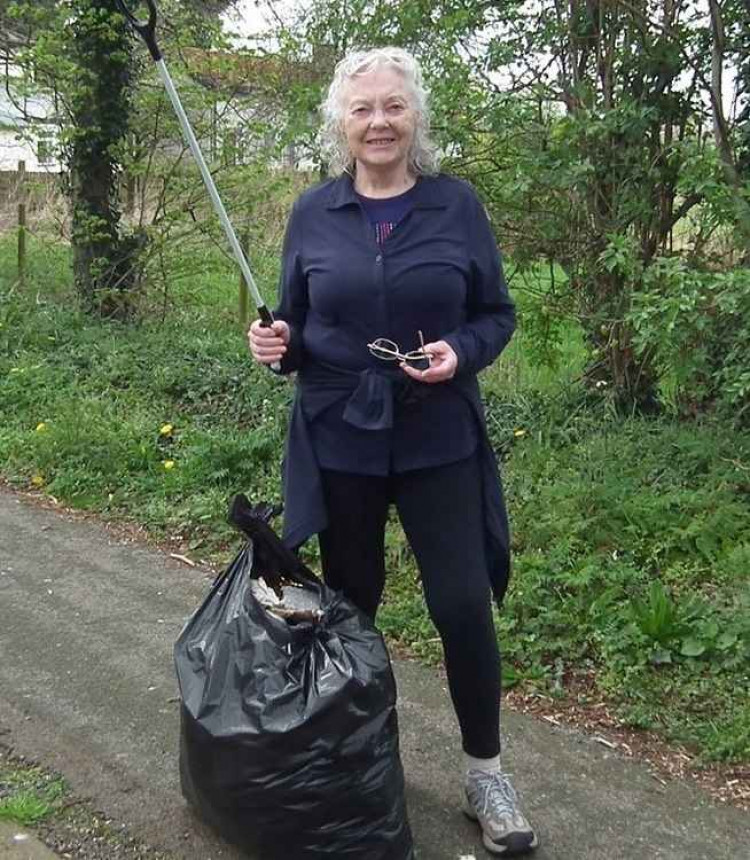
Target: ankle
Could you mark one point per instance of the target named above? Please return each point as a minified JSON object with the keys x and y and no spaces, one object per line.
{"x":485,"y":765}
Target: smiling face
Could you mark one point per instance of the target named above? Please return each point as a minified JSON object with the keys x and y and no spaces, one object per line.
{"x":379,"y":122}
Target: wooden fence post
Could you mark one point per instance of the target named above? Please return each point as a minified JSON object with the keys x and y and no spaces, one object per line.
{"x":21,"y":222}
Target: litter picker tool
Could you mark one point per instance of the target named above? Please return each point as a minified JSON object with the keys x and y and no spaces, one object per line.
{"x":147,"y":30}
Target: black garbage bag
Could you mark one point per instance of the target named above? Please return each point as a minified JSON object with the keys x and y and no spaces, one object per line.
{"x":289,"y":736}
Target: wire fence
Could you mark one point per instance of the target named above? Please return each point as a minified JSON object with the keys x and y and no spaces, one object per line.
{"x":42,"y":195}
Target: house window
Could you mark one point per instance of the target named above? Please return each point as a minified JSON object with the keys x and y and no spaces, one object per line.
{"x":45,"y":150}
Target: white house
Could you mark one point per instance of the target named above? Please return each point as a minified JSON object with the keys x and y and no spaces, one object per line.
{"x":249,"y":102}
{"x":29,"y":130}
{"x":29,"y":127}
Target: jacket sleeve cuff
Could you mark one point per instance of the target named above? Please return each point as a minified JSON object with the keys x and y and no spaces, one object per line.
{"x":454,"y":342}
{"x":292,"y":359}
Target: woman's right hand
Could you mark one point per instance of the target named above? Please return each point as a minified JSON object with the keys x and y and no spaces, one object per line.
{"x":268,"y":343}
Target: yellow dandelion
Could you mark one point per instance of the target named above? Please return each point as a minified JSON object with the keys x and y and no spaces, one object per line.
{"x":168,"y":464}
{"x":41,"y":427}
{"x":166,"y":430}
{"x":37,"y":481}
{"x":519,"y":433}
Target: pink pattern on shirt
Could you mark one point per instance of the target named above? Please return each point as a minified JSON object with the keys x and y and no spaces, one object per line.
{"x":383,"y":230}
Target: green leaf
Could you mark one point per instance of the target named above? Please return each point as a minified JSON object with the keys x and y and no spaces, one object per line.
{"x":692,"y":648}
{"x":726,"y":640}
{"x":661,"y":656}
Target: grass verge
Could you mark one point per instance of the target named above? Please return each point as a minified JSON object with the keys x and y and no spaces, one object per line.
{"x":41,"y":800}
{"x":28,"y":794}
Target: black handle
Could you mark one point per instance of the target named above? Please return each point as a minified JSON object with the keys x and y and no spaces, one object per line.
{"x":266,"y":317}
{"x":146,"y":30}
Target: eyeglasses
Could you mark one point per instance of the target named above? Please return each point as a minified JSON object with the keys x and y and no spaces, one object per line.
{"x":389,"y":350}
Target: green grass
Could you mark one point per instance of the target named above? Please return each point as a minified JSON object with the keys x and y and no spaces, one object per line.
{"x":631,"y":535}
{"x":41,"y":800}
{"x":631,"y":543}
{"x":24,"y":808}
{"x":547,"y":354}
{"x":28,"y":795}
{"x":83,"y":405}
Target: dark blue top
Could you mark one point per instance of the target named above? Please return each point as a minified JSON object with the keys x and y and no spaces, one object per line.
{"x":384,"y":213}
{"x":439,"y":272}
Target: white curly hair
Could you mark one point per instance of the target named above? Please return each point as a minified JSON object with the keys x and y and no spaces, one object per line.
{"x":422,"y":153}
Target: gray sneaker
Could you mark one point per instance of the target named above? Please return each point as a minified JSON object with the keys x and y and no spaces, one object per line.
{"x":490,"y":799}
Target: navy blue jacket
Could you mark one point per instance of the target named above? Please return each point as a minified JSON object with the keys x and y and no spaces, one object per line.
{"x":439,"y":272}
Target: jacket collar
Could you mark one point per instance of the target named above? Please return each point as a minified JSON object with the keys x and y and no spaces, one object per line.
{"x":428,"y":193}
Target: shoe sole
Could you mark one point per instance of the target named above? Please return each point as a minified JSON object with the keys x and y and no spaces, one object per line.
{"x":518,"y":842}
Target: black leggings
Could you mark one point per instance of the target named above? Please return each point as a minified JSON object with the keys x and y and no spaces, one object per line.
{"x":441,"y":513}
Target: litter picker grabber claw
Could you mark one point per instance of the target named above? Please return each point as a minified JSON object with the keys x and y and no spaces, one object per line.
{"x":147,"y":30}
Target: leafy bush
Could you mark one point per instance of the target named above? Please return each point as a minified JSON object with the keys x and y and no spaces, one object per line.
{"x":695,"y":327}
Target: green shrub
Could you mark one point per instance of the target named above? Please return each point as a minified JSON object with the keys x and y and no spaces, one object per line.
{"x":695,"y":327}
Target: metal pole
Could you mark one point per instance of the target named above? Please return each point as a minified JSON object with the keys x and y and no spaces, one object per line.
{"x":147,"y":29}
{"x":210,"y":185}
{"x":243,"y":292}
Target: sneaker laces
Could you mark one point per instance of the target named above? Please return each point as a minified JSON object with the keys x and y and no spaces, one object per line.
{"x":495,"y":791}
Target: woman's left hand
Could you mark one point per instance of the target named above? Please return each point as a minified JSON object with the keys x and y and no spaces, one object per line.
{"x":442,"y":367}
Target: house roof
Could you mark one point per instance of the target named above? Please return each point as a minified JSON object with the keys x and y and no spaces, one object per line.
{"x":248,"y":74}
{"x":36,"y":110}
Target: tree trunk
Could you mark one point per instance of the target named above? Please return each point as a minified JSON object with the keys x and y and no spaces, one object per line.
{"x":104,"y":262}
{"x":721,"y":132}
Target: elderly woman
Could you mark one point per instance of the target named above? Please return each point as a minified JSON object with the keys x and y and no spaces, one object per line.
{"x":392,"y":300}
